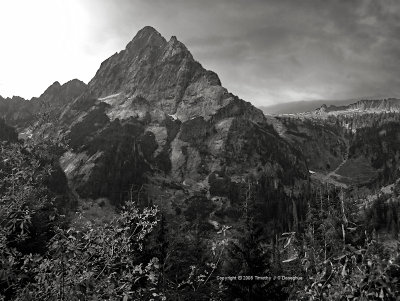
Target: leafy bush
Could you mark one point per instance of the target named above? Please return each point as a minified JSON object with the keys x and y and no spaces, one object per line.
{"x":97,"y":263}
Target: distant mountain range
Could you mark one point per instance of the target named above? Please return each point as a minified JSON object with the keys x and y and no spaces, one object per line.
{"x":330,"y":105}
{"x":364,"y":106}
{"x":302,"y":106}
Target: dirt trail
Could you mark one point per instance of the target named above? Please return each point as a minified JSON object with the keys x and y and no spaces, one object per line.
{"x":346,"y":156}
{"x":332,"y":177}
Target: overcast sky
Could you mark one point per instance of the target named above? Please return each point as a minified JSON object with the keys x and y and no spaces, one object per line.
{"x":264,"y":51}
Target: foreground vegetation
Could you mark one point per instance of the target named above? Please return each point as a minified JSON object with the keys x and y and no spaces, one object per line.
{"x":328,"y":243}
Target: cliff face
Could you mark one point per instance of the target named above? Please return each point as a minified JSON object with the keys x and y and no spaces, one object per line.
{"x":163,"y":73}
{"x":151,"y":111}
{"x":16,"y":111}
{"x":21,"y":113}
{"x":58,"y":95}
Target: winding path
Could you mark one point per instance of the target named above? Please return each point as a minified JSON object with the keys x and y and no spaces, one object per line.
{"x":332,"y":176}
{"x":346,"y":156}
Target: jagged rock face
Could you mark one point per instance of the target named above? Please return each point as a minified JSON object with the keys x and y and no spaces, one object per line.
{"x":164,"y":73}
{"x":16,"y":111}
{"x":58,"y":95}
{"x":154,"y":110}
{"x":21,"y":113}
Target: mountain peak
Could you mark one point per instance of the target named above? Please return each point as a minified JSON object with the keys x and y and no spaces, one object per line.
{"x":162,"y":72}
{"x":147,"y":30}
{"x":56,"y":84}
{"x":75,"y":81}
{"x":147,"y":36}
{"x":175,"y":47}
{"x":174,"y":42}
{"x":52,"y":89}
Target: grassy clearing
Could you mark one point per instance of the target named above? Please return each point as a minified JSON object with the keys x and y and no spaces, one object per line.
{"x":357,"y":171}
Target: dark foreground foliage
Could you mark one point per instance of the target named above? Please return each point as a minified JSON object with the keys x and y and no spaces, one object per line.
{"x":327,"y":242}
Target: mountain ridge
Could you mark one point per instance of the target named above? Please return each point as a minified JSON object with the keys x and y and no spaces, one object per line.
{"x":21,"y":112}
{"x":379,"y":105}
{"x":304,"y":106}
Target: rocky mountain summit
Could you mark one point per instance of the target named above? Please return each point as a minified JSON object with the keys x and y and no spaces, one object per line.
{"x":152,"y":109}
{"x":153,"y":115}
{"x":59,"y":95}
{"x":21,"y":113}
{"x":165,"y":74}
